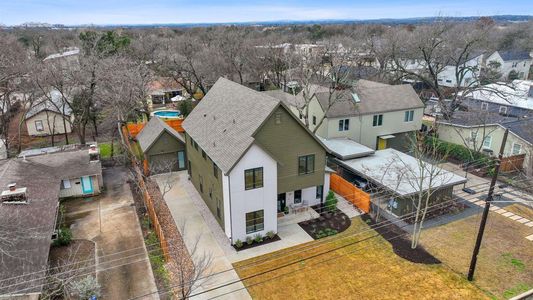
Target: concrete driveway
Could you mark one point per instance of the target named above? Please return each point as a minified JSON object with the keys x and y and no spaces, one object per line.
{"x":182,"y":200}
{"x":110,"y":220}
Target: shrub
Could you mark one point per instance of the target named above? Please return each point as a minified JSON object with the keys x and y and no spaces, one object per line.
{"x":86,"y":288}
{"x":271,"y":234}
{"x":249,"y":240}
{"x":238,"y":244}
{"x":331,"y":202}
{"x":258,"y":238}
{"x":64,"y":237}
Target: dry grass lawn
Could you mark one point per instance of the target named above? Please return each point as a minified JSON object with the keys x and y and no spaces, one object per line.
{"x":505,"y":262}
{"x":521,"y":210}
{"x":368,"y":269}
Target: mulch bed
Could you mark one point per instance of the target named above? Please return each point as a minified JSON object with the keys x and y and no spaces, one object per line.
{"x":335,"y":220}
{"x":450,"y":208}
{"x":265,"y":241}
{"x":401,"y":245}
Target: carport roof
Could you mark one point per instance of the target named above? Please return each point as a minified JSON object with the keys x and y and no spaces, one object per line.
{"x":153,"y":130}
{"x":345,"y":148}
{"x":401,"y":173}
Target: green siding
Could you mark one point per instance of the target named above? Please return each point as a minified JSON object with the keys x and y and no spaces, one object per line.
{"x":286,"y":142}
{"x":165,"y":148}
{"x":203,"y":168}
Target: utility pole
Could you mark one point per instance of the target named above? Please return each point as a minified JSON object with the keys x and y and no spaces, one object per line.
{"x":488,"y":200}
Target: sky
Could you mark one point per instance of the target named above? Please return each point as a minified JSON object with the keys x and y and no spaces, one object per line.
{"x":73,"y":12}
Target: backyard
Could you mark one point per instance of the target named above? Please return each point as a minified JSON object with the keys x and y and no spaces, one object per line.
{"x":361,"y":266}
{"x":505,"y":262}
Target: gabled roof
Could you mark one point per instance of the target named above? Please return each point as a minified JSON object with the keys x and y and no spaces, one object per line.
{"x":374,"y":97}
{"x":522,"y":128}
{"x":225,"y":121}
{"x":153,"y":130}
{"x":46,"y":104}
{"x":514,"y":55}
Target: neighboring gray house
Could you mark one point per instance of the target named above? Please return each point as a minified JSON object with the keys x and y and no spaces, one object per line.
{"x":30,"y":189}
{"x":163,"y":147}
{"x":373,"y":114}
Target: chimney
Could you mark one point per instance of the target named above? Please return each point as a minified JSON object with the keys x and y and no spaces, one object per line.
{"x":12,"y":187}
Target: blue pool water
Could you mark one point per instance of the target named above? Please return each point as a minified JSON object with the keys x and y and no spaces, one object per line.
{"x":167,"y":113}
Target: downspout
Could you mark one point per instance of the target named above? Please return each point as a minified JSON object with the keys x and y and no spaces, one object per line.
{"x":230,"y":219}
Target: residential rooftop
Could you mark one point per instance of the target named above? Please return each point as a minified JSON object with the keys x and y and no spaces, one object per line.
{"x":345,"y":148}
{"x":516,"y":94}
{"x":153,"y":130}
{"x":400,"y":172}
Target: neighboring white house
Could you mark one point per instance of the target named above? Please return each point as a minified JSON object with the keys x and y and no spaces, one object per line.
{"x":252,"y":160}
{"x":484,"y":133}
{"x":50,"y":116}
{"x":514,"y":63}
{"x":374,"y":114}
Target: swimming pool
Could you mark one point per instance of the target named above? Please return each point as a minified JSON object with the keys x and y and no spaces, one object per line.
{"x":167,"y":114}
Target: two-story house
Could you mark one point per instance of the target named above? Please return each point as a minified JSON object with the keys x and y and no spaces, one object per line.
{"x":373,"y":114}
{"x":509,"y":99}
{"x":250,"y":158}
{"x":511,"y":64}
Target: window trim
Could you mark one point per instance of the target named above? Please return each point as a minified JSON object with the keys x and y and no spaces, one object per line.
{"x":484,"y":106}
{"x":39,"y":127}
{"x":256,"y":225}
{"x":504,"y":109}
{"x":307,"y":156}
{"x":344,"y":124}
{"x":409,"y":116}
{"x":489,"y":139}
{"x":255,"y":184}
{"x":519,"y":149}
{"x":377,"y":120}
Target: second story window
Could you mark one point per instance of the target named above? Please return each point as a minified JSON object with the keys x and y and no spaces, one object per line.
{"x":377,"y":120}
{"x":314,"y":120}
{"x":215,"y":170}
{"x":306,"y":164}
{"x":344,"y":125}
{"x":409,"y":116}
{"x":253,"y":178}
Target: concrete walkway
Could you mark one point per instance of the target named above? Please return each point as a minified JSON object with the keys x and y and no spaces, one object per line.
{"x":183,"y":201}
{"x":123,"y":269}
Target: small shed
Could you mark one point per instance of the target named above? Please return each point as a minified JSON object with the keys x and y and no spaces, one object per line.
{"x":162,"y":146}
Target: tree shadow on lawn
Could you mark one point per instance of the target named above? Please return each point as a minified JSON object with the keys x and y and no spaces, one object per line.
{"x":401,"y":245}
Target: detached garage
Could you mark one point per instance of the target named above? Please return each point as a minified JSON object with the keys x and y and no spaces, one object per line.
{"x":162,"y":146}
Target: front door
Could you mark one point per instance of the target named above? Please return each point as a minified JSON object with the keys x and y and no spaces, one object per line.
{"x":87,"y":185}
{"x":181,"y":160}
{"x":281,"y":202}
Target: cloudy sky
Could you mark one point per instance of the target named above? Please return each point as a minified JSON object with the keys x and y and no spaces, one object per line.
{"x":211,"y":11}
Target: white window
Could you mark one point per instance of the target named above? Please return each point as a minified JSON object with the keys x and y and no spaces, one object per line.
{"x":409,"y":116}
{"x":344,"y":124}
{"x":487,"y":142}
{"x":39,"y":125}
{"x":516,"y":149}
{"x":484,"y":106}
{"x":503,"y":109}
{"x":65,"y":184}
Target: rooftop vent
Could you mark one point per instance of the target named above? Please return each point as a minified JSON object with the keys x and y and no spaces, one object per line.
{"x":355,"y":98}
{"x":13,"y":195}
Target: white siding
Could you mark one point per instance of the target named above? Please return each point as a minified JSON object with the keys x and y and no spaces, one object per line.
{"x":244,"y":201}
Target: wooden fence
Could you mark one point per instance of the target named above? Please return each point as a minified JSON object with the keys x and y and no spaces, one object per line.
{"x":350,"y":192}
{"x":135,"y":128}
{"x":512,"y":163}
{"x":146,"y":196}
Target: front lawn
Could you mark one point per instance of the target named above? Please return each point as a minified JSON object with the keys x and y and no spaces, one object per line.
{"x":367,"y":268}
{"x":505,"y":262}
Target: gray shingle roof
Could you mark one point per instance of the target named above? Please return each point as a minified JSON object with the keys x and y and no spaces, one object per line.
{"x":514,"y":55}
{"x":32,"y":224}
{"x":152,"y":130}
{"x":374,"y":98}
{"x":224,"y":122}
{"x":523,"y":128}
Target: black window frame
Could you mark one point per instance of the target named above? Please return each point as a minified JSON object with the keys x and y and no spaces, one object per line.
{"x":319,"y":193}
{"x":204,"y":155}
{"x":254,"y":221}
{"x":300,"y":198}
{"x":215,"y":170}
{"x":306,"y":164}
{"x":377,"y":120}
{"x":256,"y":181}
{"x":314,"y":120}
